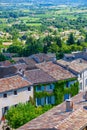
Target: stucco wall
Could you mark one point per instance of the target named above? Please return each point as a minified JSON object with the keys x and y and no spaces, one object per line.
{"x":82,"y":80}
{"x":22,"y":96}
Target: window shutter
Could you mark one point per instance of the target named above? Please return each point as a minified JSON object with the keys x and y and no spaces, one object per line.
{"x":42,"y":101}
{"x":53,"y":100}
{"x":42,"y":88}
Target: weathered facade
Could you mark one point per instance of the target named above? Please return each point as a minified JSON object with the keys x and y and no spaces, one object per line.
{"x":13,"y":90}
{"x":79,"y":68}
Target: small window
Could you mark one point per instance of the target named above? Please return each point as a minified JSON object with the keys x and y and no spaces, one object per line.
{"x":51,"y":87}
{"x":67,"y":84}
{"x":80,"y":86}
{"x":38,"y":101}
{"x":15,"y":92}
{"x":80,"y":75}
{"x":15,"y":105}
{"x":38,"y":88}
{"x":29,"y":88}
{"x":86,"y":82}
{"x":5,"y":109}
{"x":49,"y":100}
{"x":5,"y":95}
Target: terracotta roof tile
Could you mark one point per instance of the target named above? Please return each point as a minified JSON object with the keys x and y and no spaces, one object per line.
{"x":19,"y":66}
{"x":41,"y":57}
{"x":38,"y":76}
{"x":30,"y":63}
{"x":56,"y":71}
{"x":7,"y":71}
{"x":13,"y":82}
{"x":77,"y":65}
{"x":58,"y":119}
{"x":5,"y":63}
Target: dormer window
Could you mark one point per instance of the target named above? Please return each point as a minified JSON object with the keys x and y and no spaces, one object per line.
{"x":5,"y":95}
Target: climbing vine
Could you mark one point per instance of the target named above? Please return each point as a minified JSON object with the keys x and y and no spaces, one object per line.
{"x":42,"y":94}
{"x":59,"y":91}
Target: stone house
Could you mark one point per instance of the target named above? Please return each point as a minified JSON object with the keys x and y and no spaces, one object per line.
{"x":79,"y":68}
{"x":44,"y":79}
{"x":14,"y":90}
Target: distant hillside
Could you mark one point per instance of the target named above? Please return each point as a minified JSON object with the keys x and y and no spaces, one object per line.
{"x":47,"y":1}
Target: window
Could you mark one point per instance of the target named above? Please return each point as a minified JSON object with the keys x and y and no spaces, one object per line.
{"x":15,"y":105}
{"x":29,"y":88}
{"x":49,"y":100}
{"x":80,"y":75}
{"x":39,"y":88}
{"x":51,"y":86}
{"x":5,"y":109}
{"x":67,"y":84}
{"x":15,"y":92}
{"x":86,"y":82}
{"x":5,"y":95}
{"x":38,"y":101}
{"x":80,"y":86}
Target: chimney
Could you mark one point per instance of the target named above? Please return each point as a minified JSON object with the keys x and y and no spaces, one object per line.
{"x":85,"y":96}
{"x":80,"y":61}
{"x":67,"y":67}
{"x":85,"y":49}
{"x":69,"y":105}
{"x":21,"y":72}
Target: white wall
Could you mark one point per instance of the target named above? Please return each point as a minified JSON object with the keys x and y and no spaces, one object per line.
{"x":22,"y":96}
{"x":83,"y":80}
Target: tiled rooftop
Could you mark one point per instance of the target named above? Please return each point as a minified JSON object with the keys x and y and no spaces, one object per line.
{"x":29,"y":62}
{"x":5,"y":63}
{"x":58,"y":119}
{"x":56,"y":71}
{"x":19,"y":66}
{"x":12,"y":83}
{"x":41,"y":57}
{"x":7,"y":71}
{"x":77,"y":65}
{"x":38,"y":76}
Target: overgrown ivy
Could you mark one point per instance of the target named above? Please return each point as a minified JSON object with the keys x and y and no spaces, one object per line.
{"x":43,"y":94}
{"x":59,"y":90}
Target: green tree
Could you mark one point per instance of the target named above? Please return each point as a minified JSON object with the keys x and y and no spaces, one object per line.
{"x":53,"y":48}
{"x":2,"y":57}
{"x":78,"y":42}
{"x":47,"y":40}
{"x":58,"y":41}
{"x":45,"y":49}
{"x":18,"y":116}
{"x":32,"y":48}
{"x":14,"y":49}
{"x":86,"y":37}
{"x":71,"y":40}
{"x":59,"y":55}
